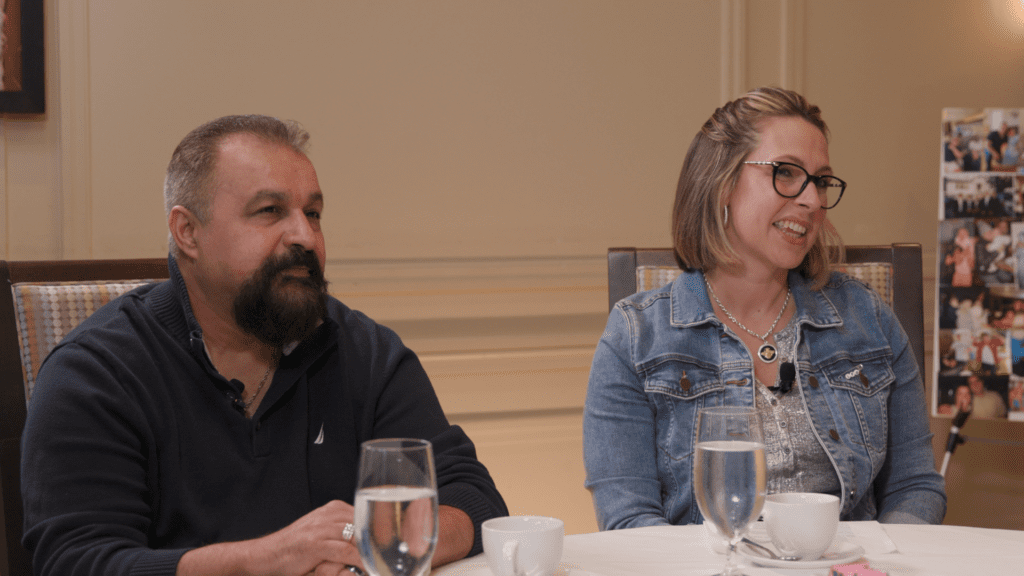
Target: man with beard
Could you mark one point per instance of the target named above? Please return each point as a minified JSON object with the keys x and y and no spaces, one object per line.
{"x":211,"y":424}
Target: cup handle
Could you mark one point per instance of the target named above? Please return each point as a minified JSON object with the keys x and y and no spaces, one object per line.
{"x":510,"y":552}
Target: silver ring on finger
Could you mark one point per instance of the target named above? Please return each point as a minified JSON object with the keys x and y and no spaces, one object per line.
{"x":348,"y":532}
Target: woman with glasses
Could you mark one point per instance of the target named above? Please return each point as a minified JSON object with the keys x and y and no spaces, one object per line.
{"x":758,"y":318}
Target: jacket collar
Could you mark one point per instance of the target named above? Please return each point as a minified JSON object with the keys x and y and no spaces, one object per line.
{"x":691,"y":304}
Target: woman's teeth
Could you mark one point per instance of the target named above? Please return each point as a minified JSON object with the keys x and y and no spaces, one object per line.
{"x":791,"y":227}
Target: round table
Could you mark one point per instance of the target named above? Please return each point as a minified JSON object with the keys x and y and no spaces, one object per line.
{"x":897,"y":549}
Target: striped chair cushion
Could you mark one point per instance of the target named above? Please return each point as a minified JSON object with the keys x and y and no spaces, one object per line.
{"x":877,"y":275}
{"x":48,"y":311}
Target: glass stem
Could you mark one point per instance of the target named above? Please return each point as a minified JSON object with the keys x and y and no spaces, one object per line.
{"x":731,"y":569}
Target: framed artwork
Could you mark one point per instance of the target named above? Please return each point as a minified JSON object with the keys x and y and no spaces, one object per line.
{"x":22,"y":66}
{"x":980,"y":317}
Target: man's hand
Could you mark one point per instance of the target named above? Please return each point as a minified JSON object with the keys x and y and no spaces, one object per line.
{"x":312,"y":544}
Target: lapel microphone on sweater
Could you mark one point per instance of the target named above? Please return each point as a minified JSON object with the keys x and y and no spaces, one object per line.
{"x":787,"y":374}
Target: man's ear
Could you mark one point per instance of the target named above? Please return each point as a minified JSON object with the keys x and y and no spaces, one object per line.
{"x":183,"y":225}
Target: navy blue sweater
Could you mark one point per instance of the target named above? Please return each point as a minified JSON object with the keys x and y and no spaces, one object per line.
{"x":136,"y":450}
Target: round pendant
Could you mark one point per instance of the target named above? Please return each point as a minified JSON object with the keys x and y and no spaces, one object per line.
{"x":767,"y":353}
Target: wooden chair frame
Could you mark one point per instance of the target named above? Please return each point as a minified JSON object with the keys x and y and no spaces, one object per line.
{"x":14,"y":560}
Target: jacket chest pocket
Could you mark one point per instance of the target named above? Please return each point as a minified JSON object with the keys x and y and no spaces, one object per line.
{"x":677,"y":389}
{"x":680,"y":379}
{"x":865,"y":383}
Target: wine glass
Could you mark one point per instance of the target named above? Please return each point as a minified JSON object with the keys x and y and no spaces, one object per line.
{"x":729,"y":473}
{"x":396,"y":507}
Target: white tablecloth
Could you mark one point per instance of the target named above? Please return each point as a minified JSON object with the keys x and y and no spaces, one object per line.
{"x":897,"y":549}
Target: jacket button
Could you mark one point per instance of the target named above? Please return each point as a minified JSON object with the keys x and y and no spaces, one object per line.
{"x":814,"y":382}
{"x":833,"y":434}
{"x":684,"y":383}
{"x":864,"y":380}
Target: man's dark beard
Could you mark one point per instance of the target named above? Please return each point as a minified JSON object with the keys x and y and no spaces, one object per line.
{"x":280,"y":309}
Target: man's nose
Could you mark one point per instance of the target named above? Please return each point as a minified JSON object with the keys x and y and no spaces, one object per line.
{"x":301,"y":231}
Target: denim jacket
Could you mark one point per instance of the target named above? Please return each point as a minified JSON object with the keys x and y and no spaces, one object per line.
{"x":664,"y":355}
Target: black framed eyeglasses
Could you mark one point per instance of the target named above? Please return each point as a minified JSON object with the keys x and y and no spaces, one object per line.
{"x":790,"y":180}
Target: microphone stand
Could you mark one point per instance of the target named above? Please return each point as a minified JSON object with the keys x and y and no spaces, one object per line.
{"x":955,"y":439}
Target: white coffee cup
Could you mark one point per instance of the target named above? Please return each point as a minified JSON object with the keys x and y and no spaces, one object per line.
{"x":801,"y":524}
{"x":523,"y":545}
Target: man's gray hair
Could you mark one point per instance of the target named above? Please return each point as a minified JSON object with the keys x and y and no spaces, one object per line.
{"x":192,"y":164}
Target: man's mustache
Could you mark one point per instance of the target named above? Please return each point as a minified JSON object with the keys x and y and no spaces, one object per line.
{"x":295,"y":258}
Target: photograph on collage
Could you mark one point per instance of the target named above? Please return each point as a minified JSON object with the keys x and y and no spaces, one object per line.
{"x":980,"y":253}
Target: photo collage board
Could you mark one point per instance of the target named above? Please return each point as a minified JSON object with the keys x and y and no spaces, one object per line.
{"x":980,"y":316}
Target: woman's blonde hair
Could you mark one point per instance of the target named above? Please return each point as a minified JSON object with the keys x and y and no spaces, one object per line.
{"x":711,"y":169}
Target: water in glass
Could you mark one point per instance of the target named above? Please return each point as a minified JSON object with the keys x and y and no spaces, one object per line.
{"x":396,"y":508}
{"x":729,"y":473}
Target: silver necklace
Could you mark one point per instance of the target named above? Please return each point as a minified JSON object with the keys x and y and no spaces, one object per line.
{"x":767,"y":353}
{"x":263,"y":382}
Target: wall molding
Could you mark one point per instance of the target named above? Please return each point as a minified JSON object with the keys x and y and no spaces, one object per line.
{"x":536,"y":461}
{"x":792,"y":41}
{"x":733,"y":73}
{"x":511,"y":382}
{"x":496,"y":335}
{"x":734,"y":35}
{"x":423,"y":289}
{"x":75,"y":199}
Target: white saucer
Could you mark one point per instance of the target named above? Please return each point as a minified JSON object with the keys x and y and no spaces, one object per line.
{"x":481,"y":569}
{"x":840,"y":553}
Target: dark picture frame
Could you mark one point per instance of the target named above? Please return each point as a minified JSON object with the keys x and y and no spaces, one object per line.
{"x":28,"y":96}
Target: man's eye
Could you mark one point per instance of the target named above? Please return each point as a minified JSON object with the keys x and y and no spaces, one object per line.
{"x":315,"y":215}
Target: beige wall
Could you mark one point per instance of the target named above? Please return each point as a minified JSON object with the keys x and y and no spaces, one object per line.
{"x":480,"y":156}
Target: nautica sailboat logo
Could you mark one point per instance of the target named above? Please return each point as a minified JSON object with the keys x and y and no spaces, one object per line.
{"x":320,"y":438}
